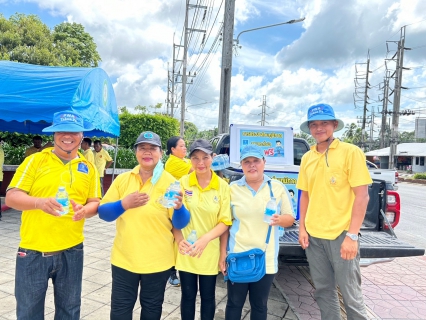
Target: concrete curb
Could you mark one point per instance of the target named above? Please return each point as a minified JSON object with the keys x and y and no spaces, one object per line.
{"x":418,"y":181}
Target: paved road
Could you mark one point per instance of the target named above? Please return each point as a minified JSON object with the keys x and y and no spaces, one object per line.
{"x":411,"y":227}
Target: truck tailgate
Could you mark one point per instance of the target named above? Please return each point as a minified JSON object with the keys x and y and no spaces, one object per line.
{"x":374,"y":244}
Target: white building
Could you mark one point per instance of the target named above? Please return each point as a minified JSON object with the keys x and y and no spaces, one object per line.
{"x":412,"y":154}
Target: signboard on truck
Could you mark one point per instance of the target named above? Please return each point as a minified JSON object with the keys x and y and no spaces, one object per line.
{"x":276,"y":142}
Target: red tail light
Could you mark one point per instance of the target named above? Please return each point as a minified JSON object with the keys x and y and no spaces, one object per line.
{"x":396,"y":176}
{"x":393,"y":208}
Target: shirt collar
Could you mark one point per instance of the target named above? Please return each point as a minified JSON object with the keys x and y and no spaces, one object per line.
{"x":333,"y":145}
{"x":243,"y":182}
{"x":214,"y":182}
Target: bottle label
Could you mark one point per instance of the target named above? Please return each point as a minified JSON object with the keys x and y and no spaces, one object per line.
{"x":65,"y":205}
{"x":270,"y":212}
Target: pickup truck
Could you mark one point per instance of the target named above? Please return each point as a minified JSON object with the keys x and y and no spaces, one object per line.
{"x":388,"y":175}
{"x":378,"y":241}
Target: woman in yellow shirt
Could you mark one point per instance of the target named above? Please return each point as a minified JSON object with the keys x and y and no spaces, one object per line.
{"x":177,"y":165}
{"x":207,"y":197}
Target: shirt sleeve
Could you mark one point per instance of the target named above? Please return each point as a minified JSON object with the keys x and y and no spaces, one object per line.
{"x":95,"y":184}
{"x":302,"y":180}
{"x":107,"y":156}
{"x":23,"y":178}
{"x":113,"y":194}
{"x":358,"y":174}
{"x":225,"y":205}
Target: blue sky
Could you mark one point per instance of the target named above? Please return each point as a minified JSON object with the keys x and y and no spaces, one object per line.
{"x":295,"y":66}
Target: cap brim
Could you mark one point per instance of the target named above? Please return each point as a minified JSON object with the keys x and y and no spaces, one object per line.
{"x":201,"y":149}
{"x":148,"y":142}
{"x":305,"y":125}
{"x":69,"y":127}
{"x":251,"y":154}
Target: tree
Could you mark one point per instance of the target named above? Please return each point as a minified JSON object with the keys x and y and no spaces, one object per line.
{"x":25,"y":38}
{"x":353,"y":134}
{"x":307,"y":137}
{"x":191,"y":131}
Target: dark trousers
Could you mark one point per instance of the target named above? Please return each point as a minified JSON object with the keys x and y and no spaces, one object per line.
{"x":258,"y":297}
{"x":125,"y":285}
{"x":189,"y":285}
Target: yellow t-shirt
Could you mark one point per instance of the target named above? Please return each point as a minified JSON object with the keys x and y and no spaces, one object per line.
{"x":40,"y":175}
{"x":330,"y":187}
{"x":88,"y":154}
{"x":207,"y":207}
{"x":101,"y":158}
{"x":1,"y":163}
{"x":177,"y":167}
{"x":31,"y":150}
{"x":143,"y":241}
{"x":248,"y":229}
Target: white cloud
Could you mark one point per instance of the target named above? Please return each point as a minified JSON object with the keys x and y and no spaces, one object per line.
{"x":312,"y":64}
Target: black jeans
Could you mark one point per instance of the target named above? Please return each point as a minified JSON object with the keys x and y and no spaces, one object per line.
{"x":125,"y":285}
{"x":258,"y":297}
{"x":189,"y":286}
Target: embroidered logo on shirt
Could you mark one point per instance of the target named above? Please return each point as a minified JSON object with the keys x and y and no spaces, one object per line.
{"x":332,"y":180}
{"x":188,"y":193}
{"x":215,"y":199}
{"x":82,"y":167}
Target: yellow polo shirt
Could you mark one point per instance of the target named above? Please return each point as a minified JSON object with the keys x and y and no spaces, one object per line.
{"x":177,"y":167}
{"x":31,"y":150}
{"x":143,"y":241}
{"x":248,"y":229}
{"x":101,"y":158}
{"x":88,"y":154}
{"x":330,"y":187}
{"x":40,"y":175}
{"x":208,"y":207}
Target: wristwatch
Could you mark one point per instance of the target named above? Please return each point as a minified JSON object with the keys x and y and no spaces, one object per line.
{"x":353,"y":237}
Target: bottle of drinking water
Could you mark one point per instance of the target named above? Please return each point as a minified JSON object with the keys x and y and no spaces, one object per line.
{"x":271,"y":209}
{"x":220,"y":162}
{"x":62,"y":198}
{"x":192,"y":237}
{"x":171,"y":192}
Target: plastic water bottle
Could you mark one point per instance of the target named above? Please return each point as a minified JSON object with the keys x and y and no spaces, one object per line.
{"x":220,"y":162}
{"x":171,"y":192}
{"x":192,"y":237}
{"x":62,"y":198}
{"x":271,"y":209}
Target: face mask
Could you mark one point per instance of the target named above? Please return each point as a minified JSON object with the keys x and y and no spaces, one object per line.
{"x":158,"y":170}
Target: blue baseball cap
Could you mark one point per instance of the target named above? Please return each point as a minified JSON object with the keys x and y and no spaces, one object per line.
{"x":320,"y":111}
{"x":252,"y":150}
{"x":68,"y":121}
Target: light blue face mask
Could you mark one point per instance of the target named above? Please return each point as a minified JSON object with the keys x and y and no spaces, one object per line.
{"x":158,"y":170}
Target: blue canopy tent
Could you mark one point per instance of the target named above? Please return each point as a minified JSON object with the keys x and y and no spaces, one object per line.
{"x":31,"y":94}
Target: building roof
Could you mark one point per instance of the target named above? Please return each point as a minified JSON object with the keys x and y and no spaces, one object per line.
{"x":403,"y":149}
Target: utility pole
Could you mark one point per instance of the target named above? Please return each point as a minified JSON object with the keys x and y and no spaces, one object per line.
{"x":185,"y":61}
{"x":384,"y":109}
{"x":225,"y":78}
{"x":365,"y":99}
{"x":397,"y":99}
{"x":263,"y":113}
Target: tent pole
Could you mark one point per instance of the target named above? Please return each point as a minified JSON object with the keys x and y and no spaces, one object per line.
{"x":115,"y":159}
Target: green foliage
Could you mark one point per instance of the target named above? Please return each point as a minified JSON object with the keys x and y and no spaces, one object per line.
{"x":191,"y":131}
{"x":126,"y":158}
{"x":13,"y":154}
{"x":25,"y":38}
{"x":15,"y":139}
{"x":420,"y":175}
{"x":207,"y":134}
{"x":307,"y":137}
{"x":133,"y":124}
{"x":353,"y":134}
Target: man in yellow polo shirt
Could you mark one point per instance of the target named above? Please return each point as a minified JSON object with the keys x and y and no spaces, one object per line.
{"x":334,"y":181}
{"x":102,"y":161}
{"x":51,"y":244}
{"x":87,"y":151}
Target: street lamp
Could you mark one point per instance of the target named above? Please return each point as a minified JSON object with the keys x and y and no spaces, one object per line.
{"x":225,"y":81}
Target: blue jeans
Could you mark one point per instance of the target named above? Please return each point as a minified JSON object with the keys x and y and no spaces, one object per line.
{"x":33,"y":272}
